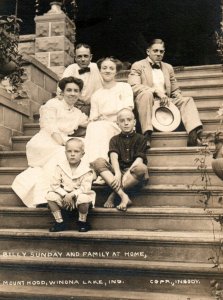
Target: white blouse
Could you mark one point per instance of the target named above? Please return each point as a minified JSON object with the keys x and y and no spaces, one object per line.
{"x":108,"y":102}
{"x":57,"y":116}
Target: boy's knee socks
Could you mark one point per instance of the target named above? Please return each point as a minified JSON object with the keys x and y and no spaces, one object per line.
{"x":58,"y":216}
{"x":82,"y":217}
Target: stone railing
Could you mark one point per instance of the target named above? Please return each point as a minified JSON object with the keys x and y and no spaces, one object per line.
{"x":27,"y":44}
{"x":39,"y":85}
{"x":12,"y":115}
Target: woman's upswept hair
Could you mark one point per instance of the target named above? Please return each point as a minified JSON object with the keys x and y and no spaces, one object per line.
{"x":64,"y":81}
{"x":117,"y":62}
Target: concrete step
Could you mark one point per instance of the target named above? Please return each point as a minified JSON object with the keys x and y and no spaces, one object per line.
{"x":207,"y":113}
{"x":208,"y":101}
{"x":209,"y":125}
{"x":159,"y":139}
{"x":204,"y":72}
{"x":19,"y":142}
{"x":182,"y":175}
{"x":203,"y":90}
{"x":198,"y":70}
{"x":8,"y":174}
{"x":193,"y":80}
{"x":129,"y":245}
{"x":106,"y":274}
{"x":171,"y":139}
{"x":158,"y":175}
{"x":50,"y":293}
{"x":30,"y":129}
{"x":13,"y":159}
{"x":136,"y":218}
{"x":177,"y":156}
{"x":150,"y":196}
{"x":157,"y":157}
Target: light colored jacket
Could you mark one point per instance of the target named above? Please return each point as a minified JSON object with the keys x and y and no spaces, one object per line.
{"x":63,"y":181}
{"x":141,"y":78}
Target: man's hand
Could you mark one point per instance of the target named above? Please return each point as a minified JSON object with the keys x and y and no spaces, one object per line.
{"x":68,"y":202}
{"x":164,"y":100}
{"x":116,"y":183}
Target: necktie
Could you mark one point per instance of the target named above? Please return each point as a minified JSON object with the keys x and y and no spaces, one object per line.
{"x":84,"y":70}
{"x":155,"y":66}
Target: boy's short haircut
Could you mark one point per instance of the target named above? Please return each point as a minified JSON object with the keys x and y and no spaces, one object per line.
{"x":74,"y":139}
{"x":125,"y":109}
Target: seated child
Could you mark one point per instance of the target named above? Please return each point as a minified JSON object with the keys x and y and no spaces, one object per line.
{"x":128,"y":163}
{"x":71,"y":187}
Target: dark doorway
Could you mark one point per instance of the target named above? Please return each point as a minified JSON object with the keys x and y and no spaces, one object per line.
{"x":122,"y":28}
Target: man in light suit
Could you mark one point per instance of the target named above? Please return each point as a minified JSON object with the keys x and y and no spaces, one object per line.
{"x":88,"y":72}
{"x":151,"y":79}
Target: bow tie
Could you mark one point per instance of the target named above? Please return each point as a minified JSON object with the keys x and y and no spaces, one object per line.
{"x":155,"y":66}
{"x":84,"y":70}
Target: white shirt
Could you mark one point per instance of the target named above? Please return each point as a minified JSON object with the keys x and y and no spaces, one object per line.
{"x":92,"y":80}
{"x":158,"y":78}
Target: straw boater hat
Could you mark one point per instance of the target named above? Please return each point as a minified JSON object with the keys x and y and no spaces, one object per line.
{"x":165,"y":118}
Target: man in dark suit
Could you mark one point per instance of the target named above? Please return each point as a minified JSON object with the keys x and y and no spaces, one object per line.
{"x":151,"y":79}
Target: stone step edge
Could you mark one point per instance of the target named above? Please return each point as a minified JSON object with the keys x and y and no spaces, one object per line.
{"x":200,"y":97}
{"x":139,"y":211}
{"x":205,"y":269}
{"x":89,"y":294}
{"x":179,"y":150}
{"x":201,"y":86}
{"x":180,"y":69}
{"x":127,"y":236}
{"x":199,"y":67}
{"x":184,"y":77}
{"x":152,"y":187}
{"x":156,"y":134}
{"x":36,"y":125}
{"x":153,"y":169}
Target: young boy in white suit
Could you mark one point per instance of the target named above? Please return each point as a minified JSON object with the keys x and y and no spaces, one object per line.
{"x":71,"y":187}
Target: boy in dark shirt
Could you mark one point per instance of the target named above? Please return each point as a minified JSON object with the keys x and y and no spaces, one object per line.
{"x":128,"y":163}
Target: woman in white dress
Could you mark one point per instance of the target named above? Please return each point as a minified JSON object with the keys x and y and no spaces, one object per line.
{"x":106,"y":102}
{"x":58,"y":120}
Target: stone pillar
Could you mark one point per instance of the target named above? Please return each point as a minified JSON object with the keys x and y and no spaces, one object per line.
{"x":55,"y":37}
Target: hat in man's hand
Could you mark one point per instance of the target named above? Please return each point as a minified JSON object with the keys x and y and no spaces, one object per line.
{"x":165,"y":118}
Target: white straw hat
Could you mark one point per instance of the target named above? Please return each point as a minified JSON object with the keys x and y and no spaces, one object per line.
{"x":165,"y":118}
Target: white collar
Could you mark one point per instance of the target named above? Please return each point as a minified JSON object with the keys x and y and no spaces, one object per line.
{"x":81,"y":169}
{"x":66,"y":106}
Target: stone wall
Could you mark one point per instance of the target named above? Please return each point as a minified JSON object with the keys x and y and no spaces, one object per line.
{"x":11,"y":119}
{"x":40,"y":83}
{"x":27,"y":44}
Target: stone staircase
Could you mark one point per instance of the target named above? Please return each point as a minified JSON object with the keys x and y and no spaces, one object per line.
{"x":159,"y":249}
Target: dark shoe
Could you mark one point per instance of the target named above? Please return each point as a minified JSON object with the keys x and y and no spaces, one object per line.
{"x":58,"y":227}
{"x":83,"y":226}
{"x":148,"y":136}
{"x":194,"y":138}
